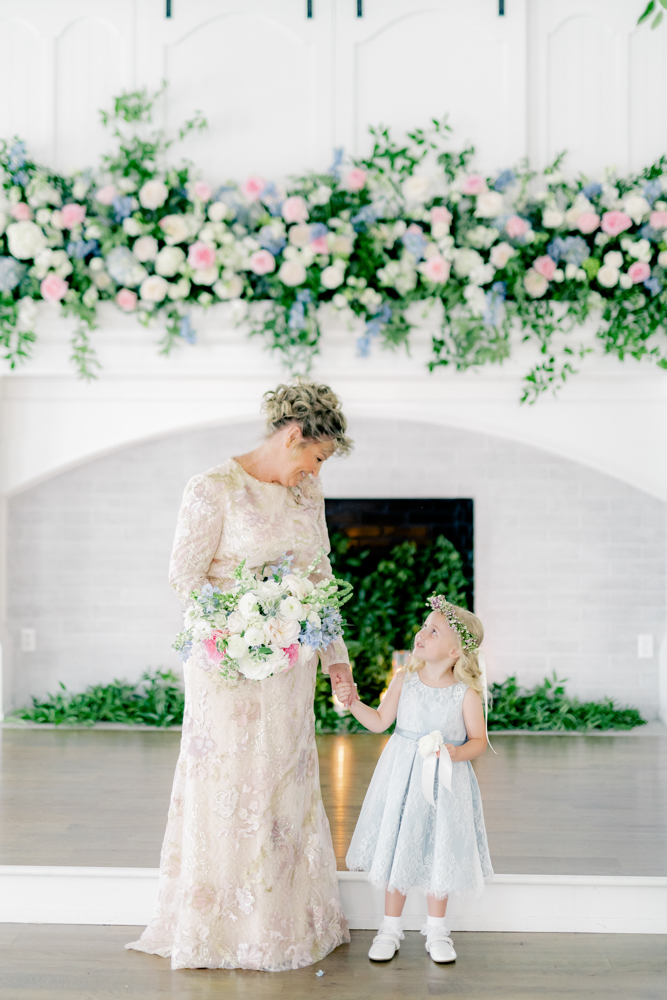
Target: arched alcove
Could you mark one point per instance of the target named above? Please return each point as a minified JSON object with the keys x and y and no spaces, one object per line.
{"x":569,"y":562}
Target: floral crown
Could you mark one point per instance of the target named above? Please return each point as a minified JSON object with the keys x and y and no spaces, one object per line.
{"x":438,"y":602}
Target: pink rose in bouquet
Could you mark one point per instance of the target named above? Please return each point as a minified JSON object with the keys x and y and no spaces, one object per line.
{"x":473,"y":184}
{"x":295,"y":209}
{"x":436,"y":269}
{"x":615,"y":223}
{"x":639,"y":271}
{"x":21,"y":212}
{"x":356,"y":179}
{"x":201,"y":256}
{"x":53,"y":288}
{"x":658,"y":220}
{"x":588,"y":222}
{"x":73,"y":215}
{"x":253,"y":188}
{"x":516,"y":227}
{"x":126,"y":300}
{"x":210,"y":645}
{"x":106,"y":194}
{"x":545,"y":266}
{"x":262,"y":262}
{"x":203,"y":190}
{"x":292,"y":653}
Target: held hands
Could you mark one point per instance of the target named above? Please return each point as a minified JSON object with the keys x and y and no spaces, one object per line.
{"x":346,"y":693}
{"x":341,"y":681}
{"x":453,"y":751}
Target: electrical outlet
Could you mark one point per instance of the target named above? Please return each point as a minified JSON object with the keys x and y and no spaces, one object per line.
{"x":28,"y":640}
{"x":645,"y":647}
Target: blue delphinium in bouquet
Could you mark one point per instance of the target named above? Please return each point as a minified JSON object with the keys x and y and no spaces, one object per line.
{"x":267,"y":623}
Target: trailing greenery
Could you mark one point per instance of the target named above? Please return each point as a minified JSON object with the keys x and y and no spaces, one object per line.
{"x":157,"y":700}
{"x":546,"y":707}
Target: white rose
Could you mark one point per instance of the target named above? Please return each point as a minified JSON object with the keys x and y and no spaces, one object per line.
{"x":90,"y":296}
{"x":26,"y":239}
{"x":102,"y":279}
{"x":145,"y":248}
{"x":476,"y":299}
{"x":489,"y":205}
{"x":80,"y":190}
{"x":581,"y":205}
{"x":298,"y":586}
{"x":290,"y":607}
{"x":236,"y":646}
{"x":416,"y":189}
{"x":168,"y":261}
{"x":256,"y":670}
{"x":230,"y":288}
{"x":153,"y":194}
{"x":282,"y":631}
{"x":641,"y":250}
{"x":571,"y":271}
{"x":332,"y":276}
{"x":178,"y":289}
{"x":218,"y":211}
{"x":430,"y":743}
{"x":608,"y":276}
{"x":247,"y":604}
{"x":552,"y":218}
{"x":662,"y":258}
{"x":482,"y":274}
{"x":501,"y":254}
{"x":176,"y":228}
{"x":206,"y":277}
{"x":60,"y":263}
{"x":613,"y":259}
{"x":636,"y":207}
{"x":254,"y":636}
{"x":625,"y":281}
{"x":27,"y":315}
{"x":131,"y":226}
{"x":236,"y":622}
{"x":465,"y":260}
{"x":535,"y":283}
{"x":341,"y":246}
{"x":299,"y":235}
{"x":291,"y":273}
{"x":154,"y":288}
{"x":321,"y":195}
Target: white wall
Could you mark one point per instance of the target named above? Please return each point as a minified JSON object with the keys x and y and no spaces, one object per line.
{"x":569,"y":563}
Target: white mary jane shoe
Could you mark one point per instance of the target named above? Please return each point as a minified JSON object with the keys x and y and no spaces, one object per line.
{"x":441,"y":948}
{"x":384,"y":947}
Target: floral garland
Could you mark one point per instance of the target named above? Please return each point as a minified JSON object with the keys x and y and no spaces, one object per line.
{"x":366,"y":240}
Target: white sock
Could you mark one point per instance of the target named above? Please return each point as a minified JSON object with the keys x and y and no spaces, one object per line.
{"x":394,"y":925}
{"x":435,"y":923}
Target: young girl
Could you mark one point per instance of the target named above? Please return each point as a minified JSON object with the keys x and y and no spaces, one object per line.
{"x":421,"y":824}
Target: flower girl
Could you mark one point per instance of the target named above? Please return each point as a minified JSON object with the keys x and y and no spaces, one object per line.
{"x":421,"y":824}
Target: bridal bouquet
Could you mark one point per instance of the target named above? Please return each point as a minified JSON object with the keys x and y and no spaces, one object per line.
{"x":264,"y":624}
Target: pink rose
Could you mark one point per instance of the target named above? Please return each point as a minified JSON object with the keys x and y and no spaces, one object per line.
{"x":516,"y":227}
{"x":639,"y":271}
{"x":201,"y":256}
{"x":320,"y":245}
{"x":658,"y":220}
{"x":295,"y":209}
{"x":546,"y":266}
{"x":73,"y":215}
{"x":21,"y":212}
{"x":126,"y":300}
{"x":436,"y":269}
{"x":473,"y":184}
{"x":253,"y":188}
{"x":262,"y":262}
{"x":588,"y":222}
{"x":211,"y":648}
{"x":53,"y":288}
{"x":292,"y":653}
{"x":440,"y":214}
{"x":615,"y":223}
{"x":106,"y":195}
{"x":356,"y":179}
{"x":203,"y":190}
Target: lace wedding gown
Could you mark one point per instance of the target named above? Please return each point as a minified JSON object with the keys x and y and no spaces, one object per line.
{"x":248,"y":873}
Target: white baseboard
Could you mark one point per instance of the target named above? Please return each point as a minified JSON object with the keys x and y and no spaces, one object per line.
{"x":523,"y":903}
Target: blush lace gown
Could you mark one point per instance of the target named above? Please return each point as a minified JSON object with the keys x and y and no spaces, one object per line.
{"x":247,"y":873}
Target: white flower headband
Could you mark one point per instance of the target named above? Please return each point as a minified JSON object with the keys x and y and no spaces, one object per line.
{"x":438,"y":602}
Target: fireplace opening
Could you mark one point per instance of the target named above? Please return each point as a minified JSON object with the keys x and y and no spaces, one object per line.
{"x":378,"y":525}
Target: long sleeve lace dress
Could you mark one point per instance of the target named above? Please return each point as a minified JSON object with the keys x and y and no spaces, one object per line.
{"x":248,"y":873}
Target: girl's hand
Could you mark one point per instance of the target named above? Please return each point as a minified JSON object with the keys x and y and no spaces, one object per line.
{"x":453,"y":751}
{"x":344,"y":693}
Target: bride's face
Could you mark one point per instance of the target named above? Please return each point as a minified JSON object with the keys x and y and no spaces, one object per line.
{"x":300,"y":458}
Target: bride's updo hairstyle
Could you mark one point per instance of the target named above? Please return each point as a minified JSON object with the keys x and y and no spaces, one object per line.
{"x":466,"y":669}
{"x":314,"y":408}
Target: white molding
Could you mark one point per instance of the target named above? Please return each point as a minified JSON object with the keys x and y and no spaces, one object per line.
{"x":522,"y":903}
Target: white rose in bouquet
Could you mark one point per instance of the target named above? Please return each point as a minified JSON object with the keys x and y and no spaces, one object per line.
{"x":535,"y":283}
{"x":552,"y":218}
{"x":489,"y":205}
{"x":25,"y":239}
{"x":466,"y":260}
{"x":291,"y":273}
{"x":290,"y":607}
{"x":178,"y":289}
{"x":237,"y":646}
{"x":256,"y":670}
{"x":254,"y":636}
{"x":131,"y":226}
{"x":416,"y":189}
{"x":299,"y":587}
{"x":153,"y":194}
{"x":248,"y":604}
{"x":27,"y":314}
{"x":218,"y":211}
{"x":332,"y":276}
{"x":229,"y":288}
{"x":636,"y":207}
{"x":268,"y":589}
{"x":124,"y":267}
{"x":154,"y":289}
{"x":145,"y":248}
{"x":168,"y":261}
{"x":608,"y":276}
{"x":282,"y":631}
{"x":176,"y":228}
{"x":236,"y":622}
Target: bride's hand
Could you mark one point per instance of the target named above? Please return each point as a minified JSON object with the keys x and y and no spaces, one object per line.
{"x":340,"y":673}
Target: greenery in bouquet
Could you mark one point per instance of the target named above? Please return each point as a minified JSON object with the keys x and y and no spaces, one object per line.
{"x":365,"y":242}
{"x":266,"y":624}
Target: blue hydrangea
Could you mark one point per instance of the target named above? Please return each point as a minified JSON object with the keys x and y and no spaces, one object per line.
{"x":311,"y":636}
{"x":297,"y":316}
{"x":493,"y":312}
{"x":185,"y":650}
{"x":332,"y":626}
{"x":366,"y":216}
{"x":11,"y":272}
{"x":272,"y":199}
{"x":16,"y":158}
{"x":571,"y":249}
{"x":124,"y":267}
{"x":653,"y":285}
{"x":82,"y":248}
{"x":186,"y":330}
{"x":335,"y":168}
{"x":647,"y":232}
{"x":372,"y":329}
{"x":414,"y":241}
{"x":318,"y":230}
{"x":652,"y":190}
{"x":504,"y":180}
{"x":122,"y":206}
{"x":592,"y":190}
{"x":269,"y":241}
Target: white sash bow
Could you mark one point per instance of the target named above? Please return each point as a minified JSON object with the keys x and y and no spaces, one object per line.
{"x":428,"y":749}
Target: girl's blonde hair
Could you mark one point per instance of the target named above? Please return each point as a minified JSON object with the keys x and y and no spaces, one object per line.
{"x":466,"y":669}
{"x":315,"y":408}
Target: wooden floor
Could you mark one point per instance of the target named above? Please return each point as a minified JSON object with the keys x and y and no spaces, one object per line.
{"x":43,"y":962}
{"x":553,"y":805}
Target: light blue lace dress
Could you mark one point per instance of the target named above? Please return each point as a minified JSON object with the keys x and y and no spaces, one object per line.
{"x":401,"y":840}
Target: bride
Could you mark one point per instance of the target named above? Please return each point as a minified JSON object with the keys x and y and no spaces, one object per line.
{"x":248,"y":873}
